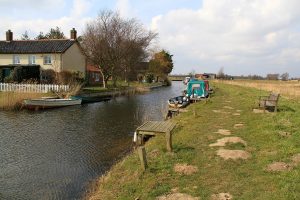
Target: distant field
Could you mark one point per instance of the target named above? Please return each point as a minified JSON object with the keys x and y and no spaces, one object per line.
{"x":289,"y":89}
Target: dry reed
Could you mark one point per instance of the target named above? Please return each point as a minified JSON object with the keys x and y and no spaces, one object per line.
{"x":141,"y":90}
{"x":288,"y":89}
{"x":14,"y":100}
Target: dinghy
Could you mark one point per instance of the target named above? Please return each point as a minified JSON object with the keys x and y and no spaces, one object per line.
{"x":179,"y":102}
{"x":42,"y":103}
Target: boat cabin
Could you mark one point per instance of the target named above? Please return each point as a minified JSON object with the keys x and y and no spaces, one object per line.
{"x":197,"y":89}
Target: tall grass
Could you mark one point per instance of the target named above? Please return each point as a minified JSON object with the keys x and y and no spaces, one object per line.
{"x":14,"y":100}
{"x":289,"y":89}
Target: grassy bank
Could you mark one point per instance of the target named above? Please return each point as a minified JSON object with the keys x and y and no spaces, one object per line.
{"x":119,"y":87}
{"x":266,"y":139}
{"x":13,"y":100}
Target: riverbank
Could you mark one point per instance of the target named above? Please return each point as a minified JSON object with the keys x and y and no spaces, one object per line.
{"x":121,"y":90}
{"x":13,"y":100}
{"x":224,"y":150}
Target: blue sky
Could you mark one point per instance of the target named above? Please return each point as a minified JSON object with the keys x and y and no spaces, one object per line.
{"x":244,"y":37}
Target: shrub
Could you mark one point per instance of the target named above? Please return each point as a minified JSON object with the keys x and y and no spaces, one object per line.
{"x":68,"y":77}
{"x":140,"y":77}
{"x":149,"y":77}
{"x":17,"y":74}
{"x":1,"y":75}
{"x":48,"y":76}
{"x":167,"y":82}
{"x":9,"y":79}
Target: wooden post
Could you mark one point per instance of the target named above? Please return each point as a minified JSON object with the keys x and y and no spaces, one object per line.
{"x":194,"y":112}
{"x":142,"y":155}
{"x":140,"y":139}
{"x":169,"y":141}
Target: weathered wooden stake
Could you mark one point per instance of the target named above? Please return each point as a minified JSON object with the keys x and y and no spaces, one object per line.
{"x":195,"y":112}
{"x":169,"y":141}
{"x":142,"y":154}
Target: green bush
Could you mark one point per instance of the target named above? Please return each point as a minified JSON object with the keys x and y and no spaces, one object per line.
{"x":48,"y":76}
{"x":149,"y":77}
{"x":1,"y":75}
{"x":17,"y":74}
{"x":140,"y":77}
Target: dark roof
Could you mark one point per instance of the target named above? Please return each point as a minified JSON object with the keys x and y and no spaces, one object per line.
{"x":35,"y":46}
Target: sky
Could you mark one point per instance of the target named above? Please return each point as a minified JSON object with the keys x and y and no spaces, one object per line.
{"x":241,"y":36}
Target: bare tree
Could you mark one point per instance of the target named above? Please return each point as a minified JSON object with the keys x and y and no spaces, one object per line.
{"x":25,"y":36}
{"x":115,"y":45}
{"x":284,"y":76}
{"x":221,"y":74}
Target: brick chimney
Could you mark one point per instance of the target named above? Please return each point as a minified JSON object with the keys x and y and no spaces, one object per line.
{"x":9,"y":36}
{"x":73,"y":34}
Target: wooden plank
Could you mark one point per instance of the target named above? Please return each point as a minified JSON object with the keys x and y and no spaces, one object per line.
{"x":156,"y":127}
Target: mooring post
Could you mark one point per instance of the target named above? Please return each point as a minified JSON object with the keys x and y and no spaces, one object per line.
{"x":169,"y":141}
{"x":142,"y":155}
{"x":195,"y":112}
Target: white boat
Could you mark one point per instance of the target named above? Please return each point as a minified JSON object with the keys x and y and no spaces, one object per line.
{"x":186,"y":80}
{"x":50,"y":103}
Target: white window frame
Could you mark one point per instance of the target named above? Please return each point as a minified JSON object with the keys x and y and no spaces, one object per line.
{"x":16,"y":59}
{"x":31,"y":59}
{"x":47,"y":60}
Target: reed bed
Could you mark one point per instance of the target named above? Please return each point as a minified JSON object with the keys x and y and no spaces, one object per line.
{"x":13,"y":100}
{"x":288,"y":89}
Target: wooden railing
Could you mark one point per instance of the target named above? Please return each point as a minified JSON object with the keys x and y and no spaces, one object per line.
{"x":32,"y":88}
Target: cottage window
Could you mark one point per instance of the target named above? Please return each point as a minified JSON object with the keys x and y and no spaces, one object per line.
{"x":16,"y":59}
{"x":31,"y":60}
{"x":47,"y":60}
{"x":97,"y":77}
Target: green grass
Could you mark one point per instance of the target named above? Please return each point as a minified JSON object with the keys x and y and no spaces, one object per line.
{"x":244,"y":179}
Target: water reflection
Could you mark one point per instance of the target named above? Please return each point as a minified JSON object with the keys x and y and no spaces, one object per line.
{"x":54,"y":154}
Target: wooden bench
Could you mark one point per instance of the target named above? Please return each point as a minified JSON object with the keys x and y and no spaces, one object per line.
{"x":270,"y":101}
{"x":151,"y":128}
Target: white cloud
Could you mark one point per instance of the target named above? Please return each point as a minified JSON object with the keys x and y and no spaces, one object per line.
{"x":9,"y":5}
{"x":125,"y":8}
{"x":75,"y":19}
{"x":80,"y":7}
{"x":257,"y":36}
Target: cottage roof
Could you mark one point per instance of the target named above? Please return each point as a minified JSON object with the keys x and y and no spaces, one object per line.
{"x":92,"y":68}
{"x":35,"y":46}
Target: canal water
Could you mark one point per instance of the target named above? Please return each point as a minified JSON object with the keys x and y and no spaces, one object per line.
{"x":55,"y":154}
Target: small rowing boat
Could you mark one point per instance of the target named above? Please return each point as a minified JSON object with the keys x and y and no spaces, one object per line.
{"x":92,"y":99}
{"x":179,"y":102}
{"x":43,"y":103}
